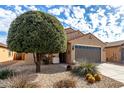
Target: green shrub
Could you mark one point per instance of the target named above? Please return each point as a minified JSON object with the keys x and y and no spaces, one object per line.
{"x":19,"y":81}
{"x":67,"y":83}
{"x":4,"y":74}
{"x":84,"y":69}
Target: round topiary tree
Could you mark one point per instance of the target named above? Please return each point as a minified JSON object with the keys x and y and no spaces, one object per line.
{"x":38,"y":33}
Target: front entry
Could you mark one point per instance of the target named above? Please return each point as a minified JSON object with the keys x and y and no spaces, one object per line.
{"x":62,"y":57}
{"x":19,"y":56}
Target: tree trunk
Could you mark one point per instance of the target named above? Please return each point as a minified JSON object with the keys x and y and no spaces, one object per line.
{"x":38,"y":66}
{"x":38,"y":62}
{"x":38,"y":57}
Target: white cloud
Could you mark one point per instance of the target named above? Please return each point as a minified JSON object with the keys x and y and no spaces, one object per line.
{"x":32,"y":7}
{"x":92,"y":9}
{"x":101,"y":12}
{"x":67,"y":11}
{"x":18,"y":10}
{"x":80,"y":24}
{"x":78,"y":12}
{"x":108,"y":7}
{"x":75,"y":19}
{"x":87,"y":6}
{"x":49,"y":6}
{"x":94,"y":19}
{"x":109,"y":36}
{"x":56,"y":11}
{"x":6,"y":17}
{"x":110,"y":32}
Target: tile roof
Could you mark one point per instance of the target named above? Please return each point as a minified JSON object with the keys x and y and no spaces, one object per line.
{"x":69,"y":30}
{"x":3,"y":45}
{"x":116,"y":43}
{"x":76,"y":34}
{"x":79,"y":37}
{"x":73,"y":34}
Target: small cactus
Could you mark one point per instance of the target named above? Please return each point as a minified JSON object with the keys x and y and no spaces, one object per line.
{"x":91,"y":79}
{"x":88,"y":75}
{"x":97,"y":77}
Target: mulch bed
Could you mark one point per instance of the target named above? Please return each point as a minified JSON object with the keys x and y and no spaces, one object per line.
{"x":50,"y":74}
{"x":47,"y":81}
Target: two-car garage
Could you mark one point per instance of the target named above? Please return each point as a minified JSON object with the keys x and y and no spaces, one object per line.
{"x":87,"y":53}
{"x":87,"y":48}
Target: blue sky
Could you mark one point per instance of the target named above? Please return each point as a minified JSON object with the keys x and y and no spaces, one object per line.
{"x":104,"y":21}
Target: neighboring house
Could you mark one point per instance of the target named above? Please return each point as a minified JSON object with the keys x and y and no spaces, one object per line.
{"x":80,"y":47}
{"x":115,"y":51}
{"x":5,"y":53}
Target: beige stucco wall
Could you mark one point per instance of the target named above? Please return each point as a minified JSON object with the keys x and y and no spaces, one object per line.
{"x":89,"y":40}
{"x":113,"y":54}
{"x":4,"y":55}
{"x":29,"y":58}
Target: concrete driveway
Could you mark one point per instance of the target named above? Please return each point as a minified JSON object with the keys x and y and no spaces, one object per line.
{"x":115,"y":72}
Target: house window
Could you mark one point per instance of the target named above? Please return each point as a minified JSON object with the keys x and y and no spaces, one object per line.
{"x":9,"y":53}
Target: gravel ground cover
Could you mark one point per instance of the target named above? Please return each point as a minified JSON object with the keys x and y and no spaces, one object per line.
{"x":56,"y":72}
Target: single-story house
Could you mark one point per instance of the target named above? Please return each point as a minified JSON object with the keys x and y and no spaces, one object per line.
{"x":115,"y":51}
{"x":5,"y":53}
{"x":80,"y":47}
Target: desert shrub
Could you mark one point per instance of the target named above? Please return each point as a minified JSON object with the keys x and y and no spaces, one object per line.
{"x":67,"y":83}
{"x":4,"y":74}
{"x":84,"y":69}
{"x":19,"y":81}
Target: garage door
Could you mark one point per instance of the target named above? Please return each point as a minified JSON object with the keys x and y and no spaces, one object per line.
{"x":122,"y":55}
{"x":87,"y":53}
